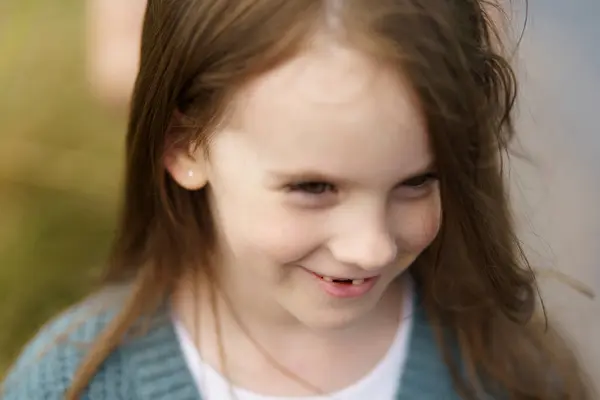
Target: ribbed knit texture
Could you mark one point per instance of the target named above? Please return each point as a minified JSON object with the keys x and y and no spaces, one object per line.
{"x":152,"y":366}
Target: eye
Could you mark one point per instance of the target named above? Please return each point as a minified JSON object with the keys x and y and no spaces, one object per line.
{"x":420,"y":181}
{"x":312,"y":188}
{"x":416,"y":187}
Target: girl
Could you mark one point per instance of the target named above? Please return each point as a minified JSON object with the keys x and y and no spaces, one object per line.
{"x":314,"y":209}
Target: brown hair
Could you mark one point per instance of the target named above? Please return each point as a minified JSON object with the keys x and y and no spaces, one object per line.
{"x":478,"y":289}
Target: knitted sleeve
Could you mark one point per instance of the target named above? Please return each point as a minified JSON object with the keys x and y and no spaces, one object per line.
{"x":46,"y":366}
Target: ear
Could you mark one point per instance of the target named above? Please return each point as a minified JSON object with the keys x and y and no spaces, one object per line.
{"x":186,"y":163}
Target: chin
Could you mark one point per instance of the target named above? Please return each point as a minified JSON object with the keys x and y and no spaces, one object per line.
{"x":328,"y":317}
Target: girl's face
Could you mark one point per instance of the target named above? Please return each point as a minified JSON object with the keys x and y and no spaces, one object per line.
{"x":324,"y":173}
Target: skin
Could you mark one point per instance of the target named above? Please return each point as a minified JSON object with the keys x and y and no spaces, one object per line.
{"x":324,"y":166}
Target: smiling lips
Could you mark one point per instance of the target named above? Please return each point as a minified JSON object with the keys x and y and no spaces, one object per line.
{"x":343,"y":281}
{"x":345,"y":287}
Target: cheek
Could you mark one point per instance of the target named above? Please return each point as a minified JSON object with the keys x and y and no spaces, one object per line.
{"x":268,"y":231}
{"x":418,"y":224}
{"x":285,"y":239}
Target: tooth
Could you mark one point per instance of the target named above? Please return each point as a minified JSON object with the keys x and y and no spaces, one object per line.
{"x":327,"y":279}
{"x":357,"y":282}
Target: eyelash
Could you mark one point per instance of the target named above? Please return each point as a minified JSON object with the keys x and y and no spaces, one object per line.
{"x":309,"y":187}
{"x":318,"y":188}
{"x":422,"y":179}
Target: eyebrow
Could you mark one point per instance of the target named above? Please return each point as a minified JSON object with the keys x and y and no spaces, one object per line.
{"x":310,"y":175}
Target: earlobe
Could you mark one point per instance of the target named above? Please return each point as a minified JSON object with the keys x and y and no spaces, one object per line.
{"x":188,"y":167}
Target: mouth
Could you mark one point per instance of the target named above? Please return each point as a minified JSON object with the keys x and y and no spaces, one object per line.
{"x":345,"y":287}
{"x":343,"y":281}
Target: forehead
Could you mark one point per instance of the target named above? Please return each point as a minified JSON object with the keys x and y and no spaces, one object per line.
{"x":330,"y":106}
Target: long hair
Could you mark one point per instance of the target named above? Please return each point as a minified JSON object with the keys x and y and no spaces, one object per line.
{"x":477,"y":288}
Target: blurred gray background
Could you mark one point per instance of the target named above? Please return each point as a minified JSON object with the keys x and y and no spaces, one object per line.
{"x":557,"y":192}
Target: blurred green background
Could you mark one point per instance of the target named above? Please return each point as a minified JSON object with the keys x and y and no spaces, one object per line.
{"x":60,"y":161}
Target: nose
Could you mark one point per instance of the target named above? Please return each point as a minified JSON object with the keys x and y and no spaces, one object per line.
{"x":367,"y":244}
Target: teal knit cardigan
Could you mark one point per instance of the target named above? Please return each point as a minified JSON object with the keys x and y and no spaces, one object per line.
{"x":152,"y":366}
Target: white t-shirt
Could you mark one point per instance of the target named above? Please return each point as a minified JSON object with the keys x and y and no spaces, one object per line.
{"x":381,"y":383}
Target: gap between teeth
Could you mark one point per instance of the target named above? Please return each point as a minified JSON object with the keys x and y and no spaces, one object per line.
{"x":355,"y":282}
